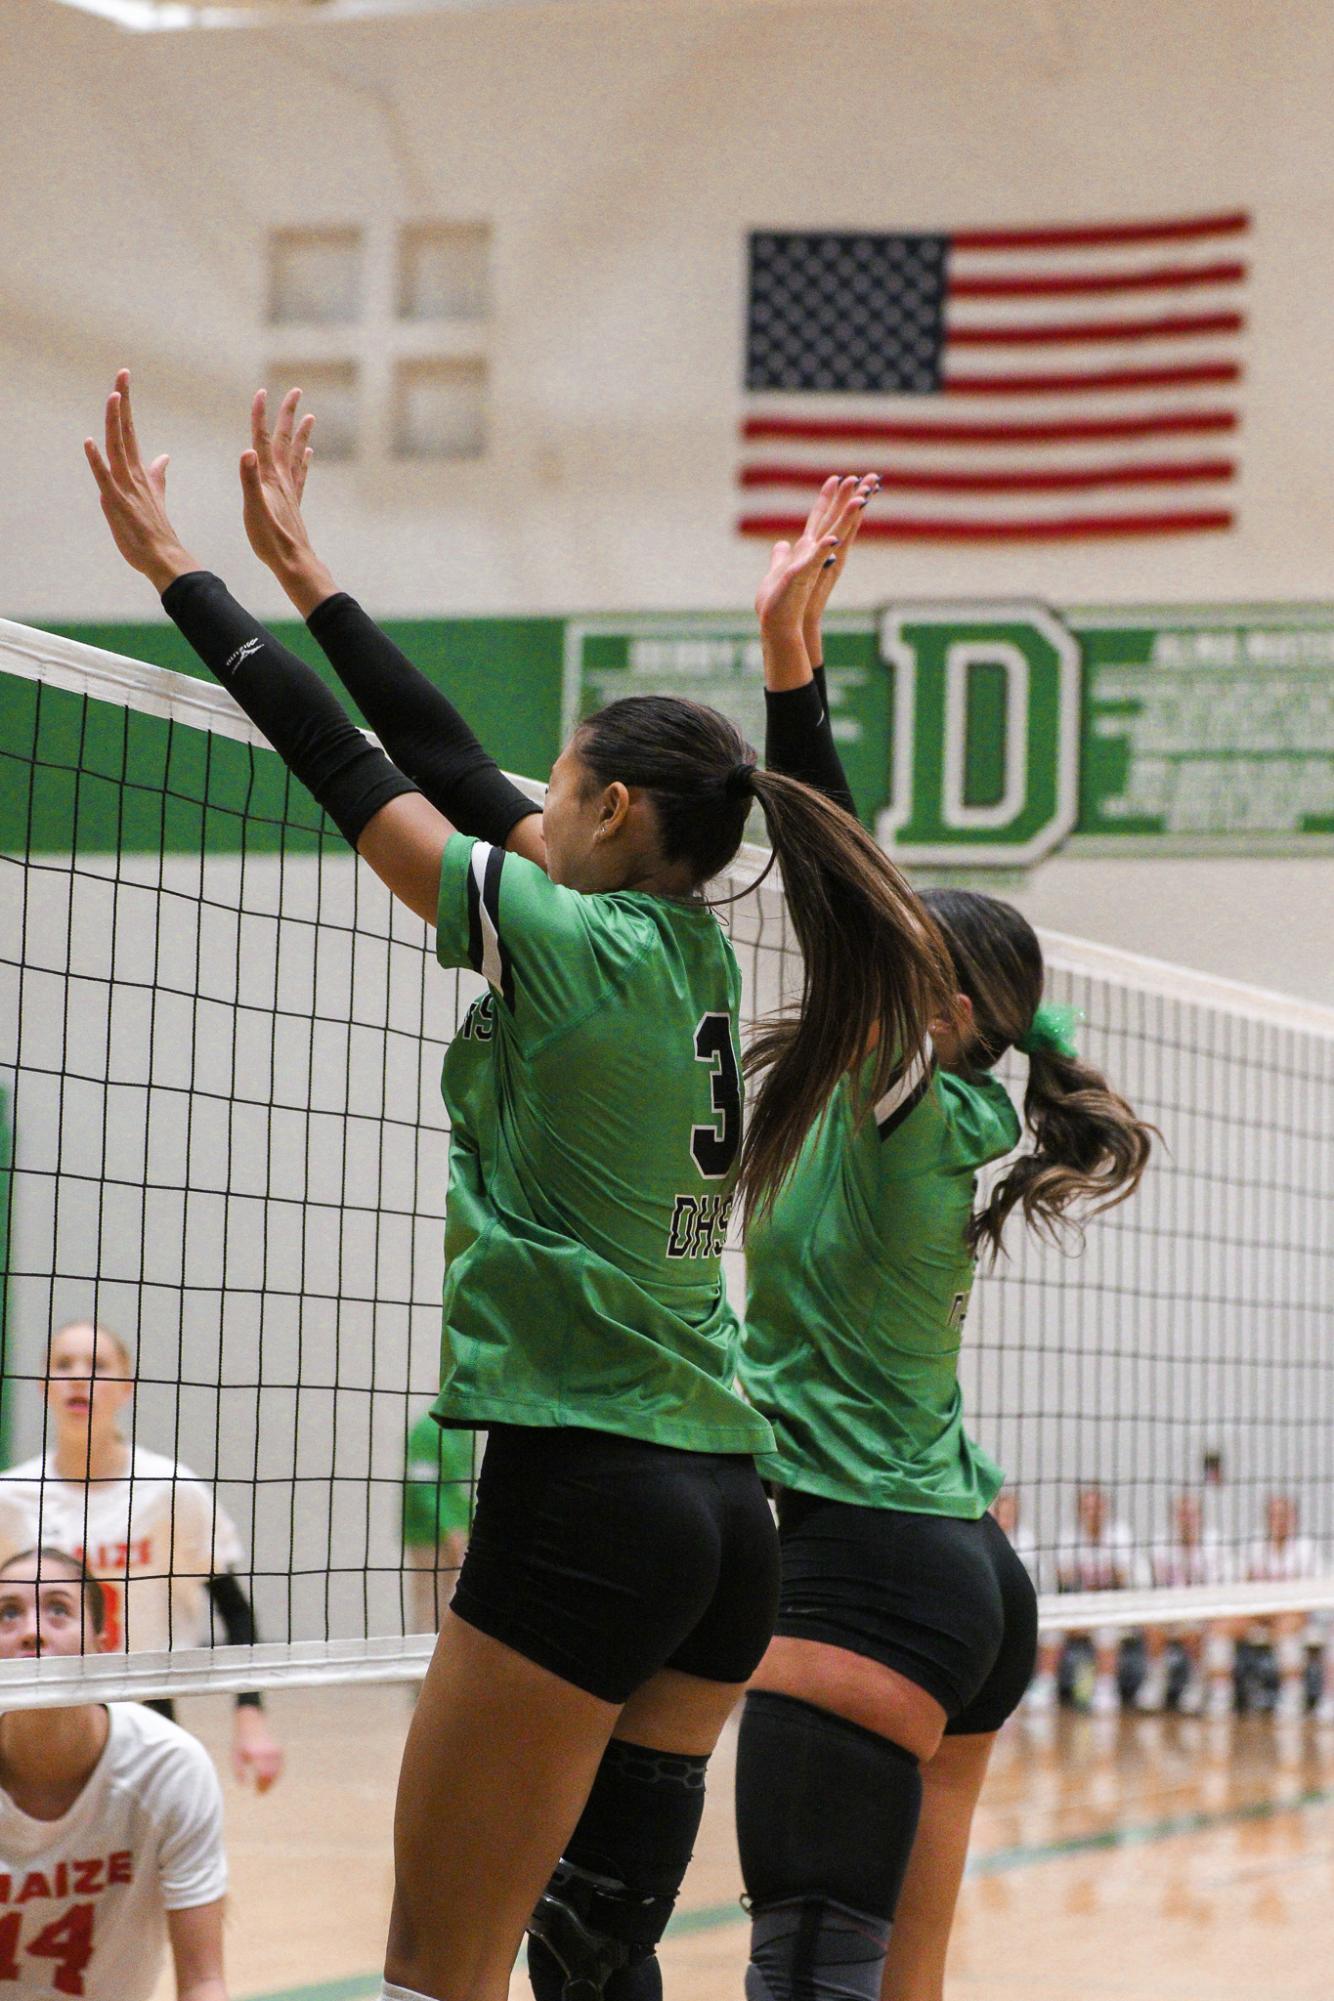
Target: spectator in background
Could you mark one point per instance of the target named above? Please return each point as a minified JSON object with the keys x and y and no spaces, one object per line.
{"x":437,"y":1514}
{"x":1189,"y":1554}
{"x":152,"y":1534}
{"x":1279,"y":1557}
{"x":110,"y":1819}
{"x":1006,"y":1510}
{"x":1097,"y":1554}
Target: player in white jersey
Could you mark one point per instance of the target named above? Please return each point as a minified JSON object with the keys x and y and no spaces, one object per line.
{"x":1190,"y":1554}
{"x":1283,"y":1556}
{"x":1097,"y":1553}
{"x":110,"y":1821}
{"x":149,"y":1530}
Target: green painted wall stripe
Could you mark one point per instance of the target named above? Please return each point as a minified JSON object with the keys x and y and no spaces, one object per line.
{"x":713,"y":1917}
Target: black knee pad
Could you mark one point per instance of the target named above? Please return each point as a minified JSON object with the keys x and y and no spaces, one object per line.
{"x":825,"y":1809}
{"x":594,"y":1933}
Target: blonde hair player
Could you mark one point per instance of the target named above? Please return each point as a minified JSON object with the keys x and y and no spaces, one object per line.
{"x":906,"y":1623}
{"x":148,"y":1528}
{"x":110,"y":1820}
{"x":620,"y":1580}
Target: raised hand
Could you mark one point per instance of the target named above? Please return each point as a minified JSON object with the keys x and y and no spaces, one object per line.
{"x":134,"y":496}
{"x":796,"y":570}
{"x":273,"y":479}
{"x":843,"y":500}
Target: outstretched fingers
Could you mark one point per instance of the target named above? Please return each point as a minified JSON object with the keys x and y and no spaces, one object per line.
{"x":117,"y":457}
{"x":100,"y":469}
{"x":302,"y":454}
{"x":128,"y":433}
{"x":261,"y":442}
{"x":282,"y":430}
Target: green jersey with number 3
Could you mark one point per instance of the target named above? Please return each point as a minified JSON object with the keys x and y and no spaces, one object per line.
{"x":595,"y":1096}
{"x":858,"y":1285}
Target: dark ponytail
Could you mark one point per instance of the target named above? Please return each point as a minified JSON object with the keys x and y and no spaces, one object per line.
{"x":874,"y":971}
{"x":874,"y":976}
{"x":1089,"y":1149}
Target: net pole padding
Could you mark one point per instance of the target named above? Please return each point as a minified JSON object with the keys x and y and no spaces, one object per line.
{"x":60,"y":1681}
{"x":1183,"y":1604}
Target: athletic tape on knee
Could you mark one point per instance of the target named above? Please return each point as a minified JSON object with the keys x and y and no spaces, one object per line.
{"x":816,"y":1950}
{"x":389,"y":1992}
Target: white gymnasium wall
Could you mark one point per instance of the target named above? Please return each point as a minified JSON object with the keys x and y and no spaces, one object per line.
{"x":619,"y":156}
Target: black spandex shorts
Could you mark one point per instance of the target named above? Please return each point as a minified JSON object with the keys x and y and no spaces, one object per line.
{"x":945,"y":1603}
{"x":605,"y":1558}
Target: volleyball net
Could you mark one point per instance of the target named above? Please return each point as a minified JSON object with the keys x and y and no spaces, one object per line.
{"x":220,"y":1047}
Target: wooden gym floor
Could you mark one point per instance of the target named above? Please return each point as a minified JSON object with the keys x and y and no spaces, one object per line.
{"x":1131,"y":1859}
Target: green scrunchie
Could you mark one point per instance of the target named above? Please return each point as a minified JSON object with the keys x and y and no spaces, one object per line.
{"x":1052,"y":1032}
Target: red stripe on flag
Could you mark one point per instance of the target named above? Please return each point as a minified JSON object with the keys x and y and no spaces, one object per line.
{"x":1179,"y":472}
{"x":1038,"y":285}
{"x":1075,"y":527}
{"x":1079,"y":384}
{"x":1088,"y":236}
{"x":1070,"y":333}
{"x":1055,"y":431}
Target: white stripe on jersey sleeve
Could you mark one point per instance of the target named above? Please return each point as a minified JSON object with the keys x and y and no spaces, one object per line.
{"x":491,"y":968}
{"x":905,"y":1091}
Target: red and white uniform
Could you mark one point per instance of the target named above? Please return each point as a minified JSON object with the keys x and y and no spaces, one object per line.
{"x":152,"y":1539}
{"x":83,"y":1899}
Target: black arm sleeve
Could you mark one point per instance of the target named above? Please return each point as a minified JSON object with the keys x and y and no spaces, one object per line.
{"x":238,"y":1621}
{"x":303,"y":721}
{"x":799,"y":743}
{"x":418,"y":724}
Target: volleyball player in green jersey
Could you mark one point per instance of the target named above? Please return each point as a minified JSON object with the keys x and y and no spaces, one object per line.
{"x":621,"y":1576}
{"x":907,"y":1625}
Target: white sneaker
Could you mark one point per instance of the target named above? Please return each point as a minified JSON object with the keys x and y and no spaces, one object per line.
{"x":1291,"y":1704}
{"x":1041,"y":1697}
{"x":1151,"y":1695}
{"x":1106,"y":1700}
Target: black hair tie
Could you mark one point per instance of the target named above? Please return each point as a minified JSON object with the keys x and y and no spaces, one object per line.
{"x":740,"y":782}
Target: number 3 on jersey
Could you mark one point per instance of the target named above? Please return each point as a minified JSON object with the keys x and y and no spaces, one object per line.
{"x":715,"y":1146}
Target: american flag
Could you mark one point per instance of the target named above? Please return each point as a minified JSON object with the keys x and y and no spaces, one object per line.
{"x":1036,"y":384}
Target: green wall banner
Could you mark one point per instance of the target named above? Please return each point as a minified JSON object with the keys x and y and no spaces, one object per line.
{"x":975,"y":735}
{"x":1207,"y":731}
{"x":981,"y":735}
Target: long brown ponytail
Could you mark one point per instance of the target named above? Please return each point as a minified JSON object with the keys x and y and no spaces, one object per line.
{"x":1089,"y":1149}
{"x":874,"y":970}
{"x":874,"y":976}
